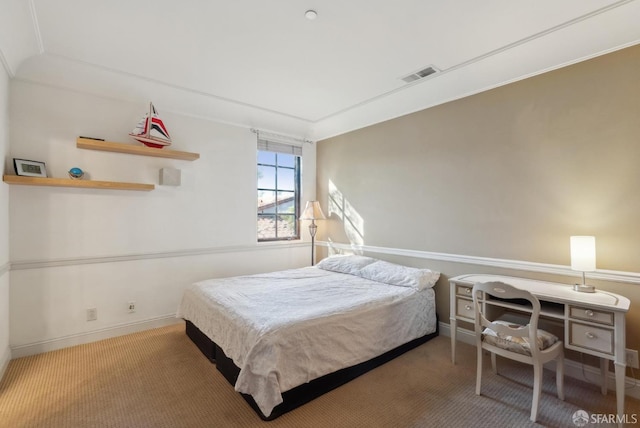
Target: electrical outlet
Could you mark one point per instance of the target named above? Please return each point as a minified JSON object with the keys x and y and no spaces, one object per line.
{"x":92,"y":314}
{"x":132,"y":307}
{"x":632,"y":358}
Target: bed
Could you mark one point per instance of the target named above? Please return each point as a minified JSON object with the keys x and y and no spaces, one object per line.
{"x":283,"y":338}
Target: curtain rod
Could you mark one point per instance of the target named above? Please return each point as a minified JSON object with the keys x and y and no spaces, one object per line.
{"x":280,"y":136}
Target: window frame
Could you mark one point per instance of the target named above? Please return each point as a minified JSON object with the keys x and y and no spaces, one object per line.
{"x":297,"y":176}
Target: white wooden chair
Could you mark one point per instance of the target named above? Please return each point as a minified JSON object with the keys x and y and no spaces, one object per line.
{"x":514,"y":340}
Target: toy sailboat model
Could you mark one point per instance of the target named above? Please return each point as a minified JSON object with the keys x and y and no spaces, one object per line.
{"x":151,"y":131}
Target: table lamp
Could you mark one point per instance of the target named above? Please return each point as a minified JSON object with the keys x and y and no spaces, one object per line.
{"x":312,"y":211}
{"x":583,"y":258}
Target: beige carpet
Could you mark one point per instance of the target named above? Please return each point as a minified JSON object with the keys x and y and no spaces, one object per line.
{"x":158,"y":378}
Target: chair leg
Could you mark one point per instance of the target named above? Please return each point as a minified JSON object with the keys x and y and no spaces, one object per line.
{"x":494,"y":366}
{"x":560,"y":376}
{"x":479,"y":370}
{"x":537,"y":387}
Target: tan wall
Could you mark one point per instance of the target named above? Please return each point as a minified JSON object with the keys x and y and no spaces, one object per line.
{"x":510,"y":173}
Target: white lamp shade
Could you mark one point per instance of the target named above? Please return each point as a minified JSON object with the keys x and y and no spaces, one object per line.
{"x":583,"y":253}
{"x":312,"y":211}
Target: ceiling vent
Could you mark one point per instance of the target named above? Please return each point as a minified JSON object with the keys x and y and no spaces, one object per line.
{"x":421,"y":74}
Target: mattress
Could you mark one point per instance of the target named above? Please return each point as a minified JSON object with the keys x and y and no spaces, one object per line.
{"x":286,"y":328}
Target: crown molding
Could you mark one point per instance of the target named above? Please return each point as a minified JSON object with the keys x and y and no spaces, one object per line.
{"x":36,"y":27}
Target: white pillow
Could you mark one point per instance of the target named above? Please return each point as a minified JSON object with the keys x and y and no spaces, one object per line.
{"x":404,"y":276}
{"x":351,"y":264}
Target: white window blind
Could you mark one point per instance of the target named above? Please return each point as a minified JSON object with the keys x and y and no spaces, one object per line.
{"x":278,"y":147}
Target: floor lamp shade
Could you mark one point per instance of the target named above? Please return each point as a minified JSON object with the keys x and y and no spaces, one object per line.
{"x":312,"y":211}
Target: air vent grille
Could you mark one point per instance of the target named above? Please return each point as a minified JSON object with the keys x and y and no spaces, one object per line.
{"x":421,"y":74}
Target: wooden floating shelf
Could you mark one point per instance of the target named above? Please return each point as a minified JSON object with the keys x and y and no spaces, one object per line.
{"x":108,"y":146}
{"x":67,"y":182}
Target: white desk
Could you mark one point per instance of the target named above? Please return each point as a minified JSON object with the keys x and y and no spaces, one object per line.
{"x":594,"y":323}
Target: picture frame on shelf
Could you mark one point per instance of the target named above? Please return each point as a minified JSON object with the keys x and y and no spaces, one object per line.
{"x":29,"y":168}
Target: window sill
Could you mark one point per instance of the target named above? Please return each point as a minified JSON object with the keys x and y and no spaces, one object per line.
{"x":281,"y":243}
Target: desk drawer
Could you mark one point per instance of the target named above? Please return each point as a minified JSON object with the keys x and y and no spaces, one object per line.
{"x":464,"y":308}
{"x":600,"y":317}
{"x":591,"y":338}
{"x":464,"y":290}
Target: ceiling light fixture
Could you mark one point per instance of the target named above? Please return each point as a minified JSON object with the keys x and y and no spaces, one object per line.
{"x":311,"y":14}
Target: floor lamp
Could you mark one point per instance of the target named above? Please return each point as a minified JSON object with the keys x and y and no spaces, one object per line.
{"x":312,"y":212}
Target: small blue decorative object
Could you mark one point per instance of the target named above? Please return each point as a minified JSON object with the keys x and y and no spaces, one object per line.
{"x":76,"y":172}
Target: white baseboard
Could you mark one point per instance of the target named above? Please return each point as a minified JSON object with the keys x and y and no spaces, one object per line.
{"x":572,"y":368}
{"x":4,"y":361}
{"x":92,"y":336}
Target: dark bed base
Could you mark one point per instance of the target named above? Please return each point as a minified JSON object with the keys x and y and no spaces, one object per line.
{"x":206,"y":345}
{"x":303,"y":393}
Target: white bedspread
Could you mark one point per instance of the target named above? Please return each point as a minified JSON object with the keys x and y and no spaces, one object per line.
{"x":287,"y":328}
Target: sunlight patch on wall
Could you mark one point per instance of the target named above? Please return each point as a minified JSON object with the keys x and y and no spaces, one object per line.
{"x":352,"y":221}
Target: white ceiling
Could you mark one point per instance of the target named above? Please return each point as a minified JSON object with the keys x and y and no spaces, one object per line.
{"x":261,"y":64}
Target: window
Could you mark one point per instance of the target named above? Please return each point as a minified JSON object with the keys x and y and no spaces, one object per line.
{"x":278,"y":191}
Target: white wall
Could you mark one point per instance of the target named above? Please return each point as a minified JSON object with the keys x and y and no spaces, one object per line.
{"x":5,"y":353}
{"x":73,"y":249}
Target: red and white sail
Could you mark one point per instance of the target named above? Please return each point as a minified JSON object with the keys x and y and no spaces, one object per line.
{"x":151,"y":131}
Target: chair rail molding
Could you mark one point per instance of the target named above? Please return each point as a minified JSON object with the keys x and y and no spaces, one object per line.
{"x":4,"y":268}
{"x":39,"y":264}
{"x":599,"y":274}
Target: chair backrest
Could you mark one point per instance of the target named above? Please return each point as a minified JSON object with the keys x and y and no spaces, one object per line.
{"x":508,"y":292}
